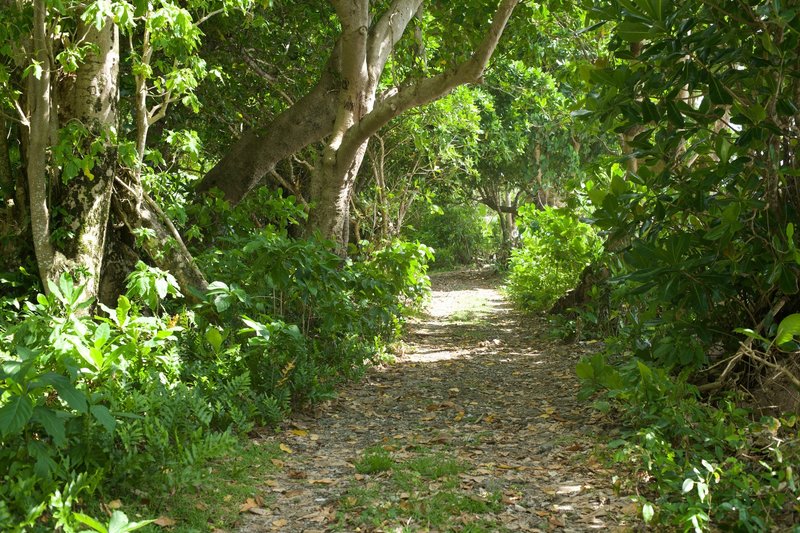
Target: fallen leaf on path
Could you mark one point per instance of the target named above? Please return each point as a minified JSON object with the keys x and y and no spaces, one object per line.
{"x":279,"y":523}
{"x":285,"y":448}
{"x":114,"y":504}
{"x":323,"y":481}
{"x":278,"y":463}
{"x":459,"y":416}
{"x":250,"y":503}
{"x":163,"y":521}
{"x":298,"y":432}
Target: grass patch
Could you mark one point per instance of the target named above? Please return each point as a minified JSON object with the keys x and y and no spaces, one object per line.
{"x":435,"y":466}
{"x":422,"y":492}
{"x":214,"y":501}
{"x":375,"y":460}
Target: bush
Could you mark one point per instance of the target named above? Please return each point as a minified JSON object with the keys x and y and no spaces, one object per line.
{"x":456,"y":232}
{"x":694,"y":464}
{"x":87,"y":403}
{"x":139,"y":398}
{"x":556,"y":247}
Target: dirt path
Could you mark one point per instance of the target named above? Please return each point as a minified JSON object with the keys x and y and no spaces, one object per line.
{"x":475,"y":429}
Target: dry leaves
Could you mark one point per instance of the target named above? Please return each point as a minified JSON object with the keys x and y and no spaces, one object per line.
{"x":525,"y":428}
{"x":163,"y":521}
{"x":284,"y":448}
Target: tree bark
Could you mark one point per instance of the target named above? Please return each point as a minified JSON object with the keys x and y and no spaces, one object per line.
{"x":161,"y":241}
{"x":86,"y":199}
{"x":257,"y":152}
{"x":345,"y":110}
{"x":38,"y":125}
{"x":6,"y":176}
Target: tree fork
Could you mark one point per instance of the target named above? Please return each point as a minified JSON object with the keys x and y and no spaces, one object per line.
{"x":162,"y":243}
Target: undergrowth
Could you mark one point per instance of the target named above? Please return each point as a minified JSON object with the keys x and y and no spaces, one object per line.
{"x":693,"y":463}
{"x":139,"y":400}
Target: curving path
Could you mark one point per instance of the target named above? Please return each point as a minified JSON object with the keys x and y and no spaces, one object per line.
{"x":476,"y":428}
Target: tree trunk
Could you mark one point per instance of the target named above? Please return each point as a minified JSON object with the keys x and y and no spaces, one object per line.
{"x":257,"y":152}
{"x":161,"y":240}
{"x":6,"y":175}
{"x":38,"y":103}
{"x":86,"y":199}
{"x":345,"y":110}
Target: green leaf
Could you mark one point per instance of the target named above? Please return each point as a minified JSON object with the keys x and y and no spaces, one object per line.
{"x":162,"y":286}
{"x":91,"y":522}
{"x":15,"y":414}
{"x":702,"y":490}
{"x":633,"y":31}
{"x":717,"y":93}
{"x":750,"y":333}
{"x":104,"y":416}
{"x":688,"y":485}
{"x":584,"y":370}
{"x":52,"y":423}
{"x":101,"y":335}
{"x":67,"y":391}
{"x":648,"y":512}
{"x":214,"y":338}
{"x":120,"y":524}
{"x":123,"y":307}
{"x":787,"y":329}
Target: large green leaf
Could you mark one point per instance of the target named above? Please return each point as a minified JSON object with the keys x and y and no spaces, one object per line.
{"x":717,"y":93}
{"x":67,"y":391}
{"x":15,"y":414}
{"x":787,"y":329}
{"x":52,"y":423}
{"x":104,"y":416}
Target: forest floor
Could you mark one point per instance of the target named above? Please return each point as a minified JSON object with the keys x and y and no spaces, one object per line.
{"x":476,"y":427}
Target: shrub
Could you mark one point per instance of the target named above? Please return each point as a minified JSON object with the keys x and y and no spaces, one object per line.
{"x":692,"y":464}
{"x":456,"y":232}
{"x":556,"y":247}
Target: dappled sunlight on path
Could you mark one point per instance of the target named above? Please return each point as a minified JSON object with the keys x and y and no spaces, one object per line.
{"x":477,"y":384}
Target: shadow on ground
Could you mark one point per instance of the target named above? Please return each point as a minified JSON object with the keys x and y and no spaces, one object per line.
{"x":479,"y":384}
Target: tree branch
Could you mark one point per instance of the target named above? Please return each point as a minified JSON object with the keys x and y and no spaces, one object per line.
{"x":430,"y":89}
{"x":388,"y":31}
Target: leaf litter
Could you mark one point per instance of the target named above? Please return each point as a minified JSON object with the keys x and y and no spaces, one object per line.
{"x":477,"y":385}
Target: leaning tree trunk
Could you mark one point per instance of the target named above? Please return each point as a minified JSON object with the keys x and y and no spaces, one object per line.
{"x":258,"y":151}
{"x":161,"y":240}
{"x":345,"y":110}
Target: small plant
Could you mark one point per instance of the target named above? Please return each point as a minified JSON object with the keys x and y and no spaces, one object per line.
{"x":375,"y":460}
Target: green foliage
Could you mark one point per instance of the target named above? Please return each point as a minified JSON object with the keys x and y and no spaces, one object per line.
{"x":695,"y":464}
{"x":98,"y":402}
{"x":318,"y":318}
{"x":698,"y":208}
{"x":556,"y":247}
{"x":458,"y":233}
